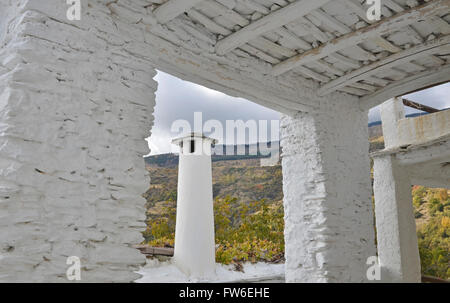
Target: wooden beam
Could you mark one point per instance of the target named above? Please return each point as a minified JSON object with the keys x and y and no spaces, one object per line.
{"x":399,"y":58}
{"x":353,"y":91}
{"x":441,"y":24}
{"x":437,"y":60}
{"x":294,"y":39}
{"x":418,"y":106}
{"x":173,"y":8}
{"x":267,"y":45}
{"x":386,"y":45}
{"x":268,"y":23}
{"x":155,"y":251}
{"x":416,"y":82}
{"x":352,"y":63}
{"x":312,"y":74}
{"x":259,"y":53}
{"x":329,"y":67}
{"x":312,"y":29}
{"x":225,"y":12}
{"x":393,"y":5}
{"x":383,"y":27}
{"x":331,"y":22}
{"x":367,"y":87}
{"x":208,"y":23}
{"x":250,"y":4}
{"x":376,"y":81}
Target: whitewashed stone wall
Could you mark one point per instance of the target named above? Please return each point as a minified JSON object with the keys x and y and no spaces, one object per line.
{"x":327,"y":195}
{"x":74,"y":112}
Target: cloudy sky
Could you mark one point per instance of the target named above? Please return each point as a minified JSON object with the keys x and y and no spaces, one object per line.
{"x":178,"y":100}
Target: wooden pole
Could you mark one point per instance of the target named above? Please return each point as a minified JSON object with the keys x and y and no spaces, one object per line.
{"x":419,"y":106}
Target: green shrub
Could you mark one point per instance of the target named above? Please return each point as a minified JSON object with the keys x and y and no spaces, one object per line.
{"x":434,"y":247}
{"x":417,"y":201}
{"x":244,"y":232}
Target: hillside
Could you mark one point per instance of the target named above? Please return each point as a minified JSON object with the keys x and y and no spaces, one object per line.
{"x":245,"y":180}
{"x":249,"y":212}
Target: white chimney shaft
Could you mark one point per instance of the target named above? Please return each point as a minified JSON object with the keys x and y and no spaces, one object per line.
{"x":194,"y":234}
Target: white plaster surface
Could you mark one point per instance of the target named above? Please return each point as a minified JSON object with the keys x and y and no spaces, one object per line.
{"x":327,"y":196}
{"x":424,"y":129}
{"x":396,"y":229}
{"x":74,"y":112}
{"x":417,"y":153}
{"x":391,"y":111}
{"x":167,"y":272}
{"x":194,"y":234}
{"x":399,"y":131}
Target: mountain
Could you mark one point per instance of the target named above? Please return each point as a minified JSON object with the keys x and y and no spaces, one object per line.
{"x":221,"y":153}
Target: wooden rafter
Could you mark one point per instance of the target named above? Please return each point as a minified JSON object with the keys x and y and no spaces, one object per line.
{"x":393,"y":5}
{"x":268,"y":23}
{"x":294,"y":39}
{"x":380,"y":28}
{"x":352,"y":63}
{"x":173,"y":8}
{"x":376,"y":81}
{"x":312,"y":74}
{"x":331,"y":21}
{"x":398,"y":58}
{"x":386,"y":45}
{"x":227,"y":13}
{"x":418,"y":106}
{"x":208,"y":23}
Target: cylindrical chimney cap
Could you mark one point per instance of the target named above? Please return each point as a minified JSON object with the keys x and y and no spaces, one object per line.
{"x":191,"y":136}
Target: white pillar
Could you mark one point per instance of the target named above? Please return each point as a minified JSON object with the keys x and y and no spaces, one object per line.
{"x":396,"y":229}
{"x":329,"y":226}
{"x":75,"y":109}
{"x":391,"y":112}
{"x":194,"y":235}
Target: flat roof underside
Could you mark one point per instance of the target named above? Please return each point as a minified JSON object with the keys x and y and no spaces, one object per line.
{"x":330,"y":43}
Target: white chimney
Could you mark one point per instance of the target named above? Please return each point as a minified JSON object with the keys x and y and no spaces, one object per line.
{"x":194,"y":234}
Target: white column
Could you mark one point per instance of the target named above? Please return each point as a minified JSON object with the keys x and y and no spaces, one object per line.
{"x":194,"y":234}
{"x":396,"y":229}
{"x":75,"y":110}
{"x":391,"y":112}
{"x":329,"y":226}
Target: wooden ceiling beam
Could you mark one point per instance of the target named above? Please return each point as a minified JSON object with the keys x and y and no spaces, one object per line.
{"x":267,"y":23}
{"x":383,"y":27}
{"x":173,"y":8}
{"x":398,"y":58}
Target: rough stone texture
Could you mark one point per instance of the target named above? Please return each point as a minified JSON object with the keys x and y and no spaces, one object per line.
{"x":327,"y":195}
{"x":74,"y":113}
{"x":396,"y":228}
